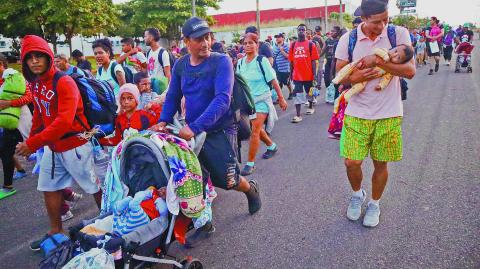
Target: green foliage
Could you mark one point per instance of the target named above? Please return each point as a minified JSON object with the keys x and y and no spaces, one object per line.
{"x":347,"y":18}
{"x":51,"y":18}
{"x":166,"y":15}
{"x":411,"y":22}
{"x":236,"y":37}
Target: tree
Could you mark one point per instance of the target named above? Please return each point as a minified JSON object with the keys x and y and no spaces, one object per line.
{"x":166,"y":15}
{"x":347,"y":18}
{"x":236,"y":37}
{"x":51,"y":18}
{"x":84,"y":17}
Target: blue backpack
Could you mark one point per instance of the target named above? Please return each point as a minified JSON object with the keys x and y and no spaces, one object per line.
{"x":353,"y":37}
{"x":99,"y":103}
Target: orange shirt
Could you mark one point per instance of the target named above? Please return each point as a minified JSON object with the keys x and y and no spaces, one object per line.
{"x":301,"y":58}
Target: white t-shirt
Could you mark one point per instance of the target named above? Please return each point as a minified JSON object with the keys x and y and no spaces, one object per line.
{"x":107,"y":76}
{"x":130,"y":61}
{"x":154,"y":67}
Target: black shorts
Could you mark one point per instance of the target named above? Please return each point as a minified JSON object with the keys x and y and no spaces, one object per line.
{"x":283,"y":78}
{"x":219,"y":160}
{"x":302,"y":86}
{"x":429,"y":53}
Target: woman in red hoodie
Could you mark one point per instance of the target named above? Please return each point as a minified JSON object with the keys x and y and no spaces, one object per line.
{"x":57,"y":123}
{"x":129,"y":116}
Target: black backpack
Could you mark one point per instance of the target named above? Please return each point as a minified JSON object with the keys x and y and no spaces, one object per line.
{"x":259,"y":61}
{"x":242,"y":104}
{"x":128,"y":73}
{"x":171,"y":57}
{"x":99,"y":103}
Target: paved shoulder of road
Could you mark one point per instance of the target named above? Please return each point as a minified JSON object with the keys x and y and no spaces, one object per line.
{"x":430,"y":210}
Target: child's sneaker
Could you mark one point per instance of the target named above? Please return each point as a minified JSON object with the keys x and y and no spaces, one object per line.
{"x":19,"y":175}
{"x":76,"y":198}
{"x":67,"y":216}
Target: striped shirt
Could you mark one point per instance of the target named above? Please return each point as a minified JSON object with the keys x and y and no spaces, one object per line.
{"x":280,"y":62}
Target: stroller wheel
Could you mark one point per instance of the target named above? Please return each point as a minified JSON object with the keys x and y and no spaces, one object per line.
{"x":469,"y":70}
{"x":191,"y":264}
{"x":457,"y":71}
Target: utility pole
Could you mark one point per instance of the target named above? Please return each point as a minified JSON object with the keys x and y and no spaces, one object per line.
{"x":326,"y":17}
{"x":258,"y":17}
{"x":194,"y":12}
{"x":341,"y":14}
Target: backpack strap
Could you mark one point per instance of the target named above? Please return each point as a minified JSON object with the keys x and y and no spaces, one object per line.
{"x":310,"y":47}
{"x":392,"y":35}
{"x":259,"y":60}
{"x":112,"y":71}
{"x":56,"y":77}
{"x":352,"y":41}
{"x":160,"y":59}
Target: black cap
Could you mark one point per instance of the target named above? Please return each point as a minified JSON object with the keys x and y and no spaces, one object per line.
{"x":371,"y":7}
{"x":251,"y":29}
{"x":195,"y":27}
{"x":318,"y":28}
{"x":279,"y":35}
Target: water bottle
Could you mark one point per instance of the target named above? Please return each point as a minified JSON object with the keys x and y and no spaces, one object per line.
{"x":101,"y":161}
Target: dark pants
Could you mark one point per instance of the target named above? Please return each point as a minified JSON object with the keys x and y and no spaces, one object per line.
{"x":218,"y":158}
{"x":327,"y":77}
{"x":447,"y":53}
{"x":8,"y":142}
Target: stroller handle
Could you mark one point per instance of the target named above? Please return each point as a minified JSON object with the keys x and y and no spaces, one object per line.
{"x":196,"y":143}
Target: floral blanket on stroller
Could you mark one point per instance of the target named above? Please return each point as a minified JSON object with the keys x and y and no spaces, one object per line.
{"x":186,"y":190}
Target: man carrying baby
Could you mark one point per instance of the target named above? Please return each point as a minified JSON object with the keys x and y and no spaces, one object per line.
{"x":373,"y":118}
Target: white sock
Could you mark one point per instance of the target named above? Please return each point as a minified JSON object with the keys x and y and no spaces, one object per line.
{"x":358,"y":193}
{"x":375,"y":202}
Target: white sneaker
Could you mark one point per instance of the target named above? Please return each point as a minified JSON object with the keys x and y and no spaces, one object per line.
{"x":76,"y":198}
{"x":67,"y":216}
{"x":315,"y":101}
{"x":372,"y":215}
{"x":310,"y":111}
{"x":354,"y":209}
{"x":296,"y":119}
{"x":307,"y":103}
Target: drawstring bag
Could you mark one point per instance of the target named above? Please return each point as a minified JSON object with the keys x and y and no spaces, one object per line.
{"x":94,"y":258}
{"x":56,"y":258}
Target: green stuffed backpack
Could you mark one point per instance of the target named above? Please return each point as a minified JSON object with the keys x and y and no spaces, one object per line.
{"x":14,"y":87}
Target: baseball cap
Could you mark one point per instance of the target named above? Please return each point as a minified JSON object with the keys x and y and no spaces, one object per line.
{"x":279,"y":35}
{"x":371,"y":7}
{"x":195,"y":27}
{"x":251,"y":29}
{"x":357,"y":20}
{"x":318,"y":28}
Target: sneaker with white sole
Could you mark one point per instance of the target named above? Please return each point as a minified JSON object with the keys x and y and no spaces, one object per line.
{"x":354,"y":209}
{"x":67,"y":216}
{"x":372,"y":215}
{"x":76,"y":197}
{"x":296,"y":119}
{"x":309,"y":111}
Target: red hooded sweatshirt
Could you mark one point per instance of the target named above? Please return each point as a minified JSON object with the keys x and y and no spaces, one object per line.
{"x":54,"y":122}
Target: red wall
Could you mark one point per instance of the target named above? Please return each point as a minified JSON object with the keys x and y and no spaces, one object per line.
{"x":273,"y":15}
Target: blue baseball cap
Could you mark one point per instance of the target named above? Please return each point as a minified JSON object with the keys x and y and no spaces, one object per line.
{"x":195,"y":27}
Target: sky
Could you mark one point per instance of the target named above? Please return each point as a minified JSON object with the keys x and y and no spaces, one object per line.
{"x":453,"y":12}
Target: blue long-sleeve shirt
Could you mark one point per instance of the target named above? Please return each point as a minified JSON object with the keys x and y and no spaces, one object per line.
{"x":207,"y":89}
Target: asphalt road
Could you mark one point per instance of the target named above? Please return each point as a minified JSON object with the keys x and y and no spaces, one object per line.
{"x":430,"y":210}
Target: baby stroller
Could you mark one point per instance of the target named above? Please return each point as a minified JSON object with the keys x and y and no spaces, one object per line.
{"x":464,"y":57}
{"x":147,"y":244}
{"x":464,"y":61}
